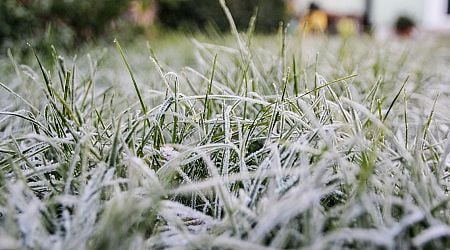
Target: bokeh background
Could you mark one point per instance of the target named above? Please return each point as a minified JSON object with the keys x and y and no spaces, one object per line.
{"x":71,"y":23}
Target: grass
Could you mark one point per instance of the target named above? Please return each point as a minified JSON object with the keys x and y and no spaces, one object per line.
{"x":241,"y":141}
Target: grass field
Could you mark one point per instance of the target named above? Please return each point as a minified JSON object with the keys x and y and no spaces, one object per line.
{"x":234,"y":142}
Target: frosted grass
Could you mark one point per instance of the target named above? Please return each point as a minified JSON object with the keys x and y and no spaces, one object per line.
{"x":279,"y":142}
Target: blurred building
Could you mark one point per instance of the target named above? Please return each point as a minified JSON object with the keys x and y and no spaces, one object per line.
{"x":428,"y":14}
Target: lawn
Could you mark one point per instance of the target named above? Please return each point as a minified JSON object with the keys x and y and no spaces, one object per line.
{"x":230,"y":142}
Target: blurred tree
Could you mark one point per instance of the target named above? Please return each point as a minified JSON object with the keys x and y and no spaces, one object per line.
{"x":88,"y":18}
{"x":67,"y":23}
{"x":198,"y":14}
{"x":61,"y":22}
{"x":20,"y":18}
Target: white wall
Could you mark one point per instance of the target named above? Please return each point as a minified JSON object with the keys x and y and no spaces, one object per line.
{"x":355,"y":7}
{"x":386,"y":12}
{"x":435,"y":16}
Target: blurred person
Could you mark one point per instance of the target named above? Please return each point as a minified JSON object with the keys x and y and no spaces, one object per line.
{"x":315,"y":21}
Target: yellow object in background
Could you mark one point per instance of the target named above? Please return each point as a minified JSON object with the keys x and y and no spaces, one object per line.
{"x":314,"y":22}
{"x":347,"y":27}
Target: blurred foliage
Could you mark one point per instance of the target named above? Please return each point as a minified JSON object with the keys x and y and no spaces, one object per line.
{"x":69,"y":23}
{"x":21,"y":18}
{"x":88,"y":18}
{"x":404,"y":22}
{"x":194,"y":15}
{"x":64,"y":23}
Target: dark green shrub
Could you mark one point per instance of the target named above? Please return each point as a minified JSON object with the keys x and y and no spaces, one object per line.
{"x":88,"y":18}
{"x":64,"y":23}
{"x":404,"y":26}
{"x":404,"y":22}
{"x":21,"y":19}
{"x":198,"y":14}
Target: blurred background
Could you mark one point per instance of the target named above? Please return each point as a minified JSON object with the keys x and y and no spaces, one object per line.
{"x":71,"y":23}
{"x":384,"y":16}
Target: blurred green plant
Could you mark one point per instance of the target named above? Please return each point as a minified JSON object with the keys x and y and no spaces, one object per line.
{"x":20,"y":18}
{"x":201,"y":14}
{"x":69,"y":23}
{"x":404,"y":25}
{"x":62,"y":23}
{"x":86,"y":17}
